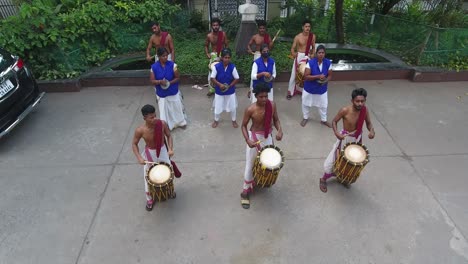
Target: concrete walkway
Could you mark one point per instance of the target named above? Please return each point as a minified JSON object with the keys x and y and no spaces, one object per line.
{"x":71,"y":191}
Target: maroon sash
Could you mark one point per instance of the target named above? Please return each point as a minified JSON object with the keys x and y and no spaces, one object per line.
{"x":268,"y":117}
{"x":360,"y":122}
{"x":162,"y":43}
{"x":158,"y":139}
{"x":266,"y":39}
{"x":220,"y":43}
{"x":309,"y":41}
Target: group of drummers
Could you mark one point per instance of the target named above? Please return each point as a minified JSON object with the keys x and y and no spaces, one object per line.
{"x":310,"y":75}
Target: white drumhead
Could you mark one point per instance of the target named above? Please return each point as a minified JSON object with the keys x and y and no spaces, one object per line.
{"x":159,"y":174}
{"x":270,"y":158}
{"x":355,"y":153}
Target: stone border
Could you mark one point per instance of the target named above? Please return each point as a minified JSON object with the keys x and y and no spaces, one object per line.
{"x":394,"y":69}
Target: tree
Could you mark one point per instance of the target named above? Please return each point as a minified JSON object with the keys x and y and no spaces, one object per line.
{"x":339,"y":21}
{"x":382,"y":6}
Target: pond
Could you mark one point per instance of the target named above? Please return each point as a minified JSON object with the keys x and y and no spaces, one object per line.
{"x":336,"y":55}
{"x":342,"y":56}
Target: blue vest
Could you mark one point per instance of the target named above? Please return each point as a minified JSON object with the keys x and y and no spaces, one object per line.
{"x":313,"y":87}
{"x":167,"y":73}
{"x":224,"y":76}
{"x":262,"y":68}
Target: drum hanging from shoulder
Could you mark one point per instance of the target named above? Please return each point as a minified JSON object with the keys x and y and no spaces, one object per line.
{"x":300,"y":71}
{"x":350,"y":162}
{"x":267,"y":165}
{"x":160,"y":177}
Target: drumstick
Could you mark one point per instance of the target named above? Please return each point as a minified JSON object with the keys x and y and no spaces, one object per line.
{"x":277,"y":33}
{"x":151,"y":162}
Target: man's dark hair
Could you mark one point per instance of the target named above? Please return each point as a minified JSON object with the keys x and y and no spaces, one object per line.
{"x":261,"y":23}
{"x":358,"y":92}
{"x":306,"y":21}
{"x":260,"y":88}
{"x":215,"y":19}
{"x":320,"y":47}
{"x":225,"y":52}
{"x":264,"y":45}
{"x":161,"y":51}
{"x":155,"y":23}
{"x":147,"y":109}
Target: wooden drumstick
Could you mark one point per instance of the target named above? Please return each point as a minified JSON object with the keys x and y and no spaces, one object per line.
{"x":277,"y":33}
{"x":151,"y":162}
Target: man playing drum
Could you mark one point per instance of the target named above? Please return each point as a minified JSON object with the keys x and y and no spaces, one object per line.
{"x":258,"y":40}
{"x":165,"y":78}
{"x":160,"y":39}
{"x":262,"y":113}
{"x":264,"y":70}
{"x":215,"y":41}
{"x":155,"y":133}
{"x":317,"y":74}
{"x":353,"y":117}
{"x":304,"y":43}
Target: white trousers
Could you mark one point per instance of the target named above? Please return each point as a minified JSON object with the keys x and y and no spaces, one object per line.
{"x":171,"y":110}
{"x":250,"y":154}
{"x":225,"y":103}
{"x":322,"y":112}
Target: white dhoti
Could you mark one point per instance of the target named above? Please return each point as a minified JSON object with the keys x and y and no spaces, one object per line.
{"x":292,"y":87}
{"x":318,"y":100}
{"x":250,"y":154}
{"x":225,"y":103}
{"x":150,"y":155}
{"x":171,"y":110}
{"x":330,"y":160}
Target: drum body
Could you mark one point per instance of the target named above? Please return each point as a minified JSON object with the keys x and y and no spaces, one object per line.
{"x":350,"y":161}
{"x":267,"y":165}
{"x":160,"y":177}
{"x":211,"y":65}
{"x":300,"y":71}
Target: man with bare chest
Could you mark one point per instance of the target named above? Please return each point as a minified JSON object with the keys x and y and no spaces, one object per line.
{"x":257,"y":40}
{"x":215,"y":42}
{"x":354,"y":116}
{"x":160,"y":39}
{"x":262,"y":113}
{"x":302,"y":49}
{"x":155,"y":133}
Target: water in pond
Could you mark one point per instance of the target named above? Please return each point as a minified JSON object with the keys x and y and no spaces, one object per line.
{"x":340,"y":56}
{"x":353,"y":56}
{"x":133,"y":65}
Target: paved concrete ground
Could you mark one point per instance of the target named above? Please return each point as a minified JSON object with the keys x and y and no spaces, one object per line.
{"x":71,"y":191}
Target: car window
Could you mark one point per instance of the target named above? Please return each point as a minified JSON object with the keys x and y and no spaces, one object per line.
{"x":5,"y":60}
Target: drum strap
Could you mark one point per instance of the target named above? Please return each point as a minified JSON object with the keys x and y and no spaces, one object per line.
{"x":219,"y":44}
{"x":360,"y":123}
{"x":158,"y":139}
{"x":266,"y":39}
{"x":268,"y":117}
{"x":162,"y":43}
{"x":309,"y":42}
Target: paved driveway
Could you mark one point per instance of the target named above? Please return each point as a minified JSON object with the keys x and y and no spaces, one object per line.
{"x":71,"y":191}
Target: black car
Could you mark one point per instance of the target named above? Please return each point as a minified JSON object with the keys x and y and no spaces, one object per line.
{"x":19,"y":92}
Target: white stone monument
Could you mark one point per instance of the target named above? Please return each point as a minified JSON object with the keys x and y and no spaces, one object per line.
{"x":248,"y":27}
